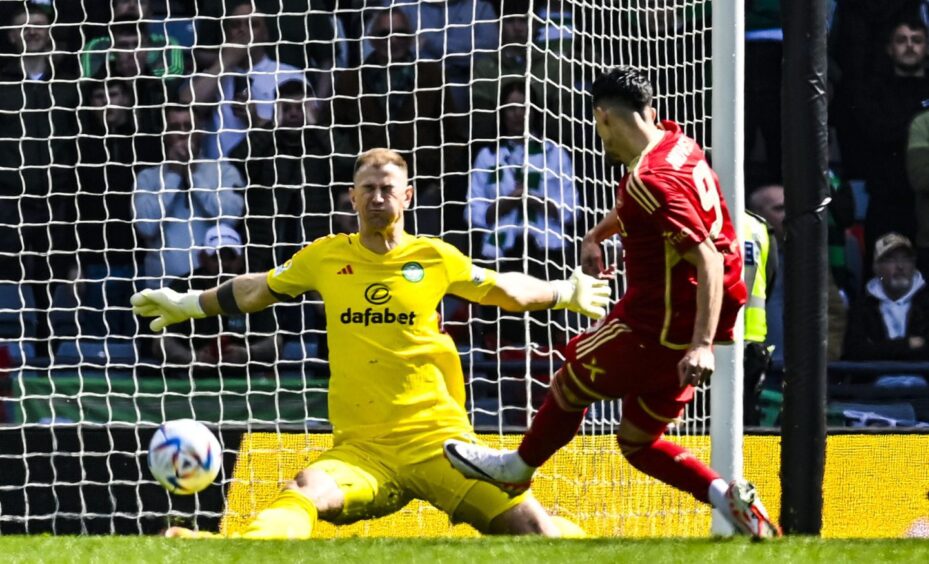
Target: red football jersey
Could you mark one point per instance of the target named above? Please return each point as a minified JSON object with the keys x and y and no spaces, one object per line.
{"x":669,"y":202}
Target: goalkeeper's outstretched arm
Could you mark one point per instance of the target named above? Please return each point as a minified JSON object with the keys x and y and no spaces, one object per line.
{"x":581,"y":293}
{"x":246,"y":293}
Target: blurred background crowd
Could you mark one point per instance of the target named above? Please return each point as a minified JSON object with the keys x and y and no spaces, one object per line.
{"x":148,"y":143}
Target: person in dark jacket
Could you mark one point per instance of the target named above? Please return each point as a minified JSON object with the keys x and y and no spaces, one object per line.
{"x":891,"y":320}
{"x":36,"y":144}
{"x":289,"y":169}
{"x":37,"y":130}
{"x":395,"y":100}
{"x":99,"y":215}
{"x":883,"y":114}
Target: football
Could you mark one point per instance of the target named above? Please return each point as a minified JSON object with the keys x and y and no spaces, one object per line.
{"x":184,"y":456}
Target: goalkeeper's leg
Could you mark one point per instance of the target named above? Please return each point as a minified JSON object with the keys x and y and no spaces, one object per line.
{"x":292,"y":514}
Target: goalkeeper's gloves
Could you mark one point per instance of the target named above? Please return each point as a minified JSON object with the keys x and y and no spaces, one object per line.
{"x":167,"y":306}
{"x":582,"y":294}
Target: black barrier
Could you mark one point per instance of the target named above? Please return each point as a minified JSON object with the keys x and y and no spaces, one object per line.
{"x":86,"y":480}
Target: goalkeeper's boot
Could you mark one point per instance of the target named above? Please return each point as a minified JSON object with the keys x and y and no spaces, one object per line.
{"x":746,"y":512}
{"x":501,"y":468}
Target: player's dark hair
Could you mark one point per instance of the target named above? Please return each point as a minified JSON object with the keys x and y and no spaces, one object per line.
{"x":197,"y":118}
{"x":29,"y":8}
{"x":127,"y":25}
{"x":88,"y":87}
{"x":913,"y":23}
{"x":229,"y":6}
{"x":294,"y":88}
{"x":535,"y":116}
{"x":623,"y":85}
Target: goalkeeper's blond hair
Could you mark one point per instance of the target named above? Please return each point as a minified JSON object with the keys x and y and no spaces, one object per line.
{"x":380,"y":157}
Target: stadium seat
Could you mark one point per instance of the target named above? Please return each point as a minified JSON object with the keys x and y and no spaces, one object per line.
{"x":180,"y":30}
{"x":300,"y":349}
{"x":18,"y":317}
{"x":64,"y":313}
{"x":16,"y":353}
{"x":95,"y":351}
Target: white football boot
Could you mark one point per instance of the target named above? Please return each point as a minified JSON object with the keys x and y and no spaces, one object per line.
{"x":503,"y":468}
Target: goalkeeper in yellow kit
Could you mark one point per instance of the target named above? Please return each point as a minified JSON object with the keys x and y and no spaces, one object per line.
{"x":397,"y":389}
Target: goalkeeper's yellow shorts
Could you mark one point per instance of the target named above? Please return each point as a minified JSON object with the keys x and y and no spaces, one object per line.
{"x":376,"y":485}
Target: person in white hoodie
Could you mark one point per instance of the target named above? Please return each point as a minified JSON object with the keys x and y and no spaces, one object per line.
{"x":891,"y":320}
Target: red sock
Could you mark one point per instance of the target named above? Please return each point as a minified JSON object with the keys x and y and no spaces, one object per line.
{"x":675,"y":466}
{"x":551,"y":429}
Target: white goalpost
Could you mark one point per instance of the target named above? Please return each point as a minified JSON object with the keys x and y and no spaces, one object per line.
{"x":482,"y":96}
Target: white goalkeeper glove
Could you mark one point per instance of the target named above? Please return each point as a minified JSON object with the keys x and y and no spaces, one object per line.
{"x":582,"y":294}
{"x":167,"y":306}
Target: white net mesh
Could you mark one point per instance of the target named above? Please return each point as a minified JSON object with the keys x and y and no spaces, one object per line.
{"x":136,"y":138}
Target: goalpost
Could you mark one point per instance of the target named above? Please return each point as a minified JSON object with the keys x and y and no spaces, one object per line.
{"x":81,"y":402}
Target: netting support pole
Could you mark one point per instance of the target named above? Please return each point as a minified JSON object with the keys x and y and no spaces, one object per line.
{"x":727,"y":156}
{"x":806,"y":167}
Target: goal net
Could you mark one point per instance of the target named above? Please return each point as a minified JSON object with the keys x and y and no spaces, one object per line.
{"x":173,"y":144}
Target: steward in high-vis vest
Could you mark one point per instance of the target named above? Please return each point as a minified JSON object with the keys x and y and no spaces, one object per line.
{"x":760,"y":270}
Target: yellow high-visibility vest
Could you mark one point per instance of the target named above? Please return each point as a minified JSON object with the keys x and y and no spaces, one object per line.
{"x":757,"y":245}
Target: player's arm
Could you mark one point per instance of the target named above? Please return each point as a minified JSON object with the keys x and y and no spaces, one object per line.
{"x":698,"y":362}
{"x":591,"y":252}
{"x":246,"y":293}
{"x":515,"y":291}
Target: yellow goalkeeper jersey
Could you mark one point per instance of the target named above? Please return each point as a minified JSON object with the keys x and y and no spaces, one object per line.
{"x":395,"y":376}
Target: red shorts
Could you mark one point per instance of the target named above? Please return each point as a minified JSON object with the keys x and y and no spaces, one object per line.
{"x":613,"y":361}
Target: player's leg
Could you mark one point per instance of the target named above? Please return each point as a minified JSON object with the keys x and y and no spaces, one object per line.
{"x":312,"y":494}
{"x":640,"y":440}
{"x":345,"y":484}
{"x":342,"y":486}
{"x":582,"y":380}
{"x":292,"y":514}
{"x":482,"y":505}
{"x":553,"y":427}
{"x":640,"y":433}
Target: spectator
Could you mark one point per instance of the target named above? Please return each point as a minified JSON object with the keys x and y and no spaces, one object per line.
{"x":768,"y":202}
{"x":176,"y":202}
{"x":521,"y":204}
{"x":884,"y":114}
{"x":891,"y":320}
{"x":101,"y":212}
{"x":499,"y":187}
{"x":129,"y":60}
{"x":344,"y":220}
{"x":453,"y":33}
{"x":37,"y":127}
{"x":161,"y":53}
{"x":917,"y":165}
{"x":288,"y":166}
{"x":494,"y":71}
{"x":227,"y":343}
{"x":242,"y":73}
{"x":764,"y":40}
{"x":395,"y":101}
{"x":306,"y":34}
{"x":556,"y":65}
{"x":858,"y":54}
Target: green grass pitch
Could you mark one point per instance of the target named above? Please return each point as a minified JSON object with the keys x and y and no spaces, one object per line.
{"x":126,"y":550}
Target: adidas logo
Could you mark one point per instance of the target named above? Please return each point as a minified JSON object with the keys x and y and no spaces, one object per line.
{"x":347,"y":269}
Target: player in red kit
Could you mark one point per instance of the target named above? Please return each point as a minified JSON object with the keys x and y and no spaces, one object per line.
{"x":684,"y":290}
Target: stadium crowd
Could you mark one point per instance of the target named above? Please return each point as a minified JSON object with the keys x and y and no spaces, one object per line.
{"x":149,"y":143}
